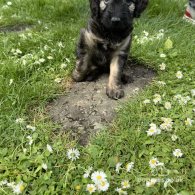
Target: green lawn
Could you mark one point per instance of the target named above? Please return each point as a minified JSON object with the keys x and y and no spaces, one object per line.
{"x":33,"y":62}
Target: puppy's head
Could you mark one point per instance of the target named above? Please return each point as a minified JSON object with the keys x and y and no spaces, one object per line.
{"x":116,"y":14}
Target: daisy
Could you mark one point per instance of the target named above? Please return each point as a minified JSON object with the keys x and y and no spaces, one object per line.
{"x":118,"y":167}
{"x":167,"y":182}
{"x":125,"y":184}
{"x":129,"y":166}
{"x":152,"y":182}
{"x":41,"y":60}
{"x":189,"y":122}
{"x":44,"y":166}
{"x":153,"y":130}
{"x":177,"y":153}
{"x":179,"y":75}
{"x":154,"y":163}
{"x":4,"y":182}
{"x":174,"y":137}
{"x":30,"y":140}
{"x":63,"y":66}
{"x":193,"y":92}
{"x":161,"y":83}
{"x":73,"y":154}
{"x":91,"y":188}
{"x":98,"y":176}
{"x":168,"y":105}
{"x":103,"y":185}
{"x":19,"y":188}
{"x":11,"y":82}
{"x":58,"y":80}
{"x":49,"y":57}
{"x":162,"y":55}
{"x":9,"y":3}
{"x":87,"y":172}
{"x":167,"y":125}
{"x":20,"y":120}
{"x":157,"y":99}
{"x":147,"y":101}
{"x":49,"y":148}
{"x":31,"y":127}
{"x":162,"y":66}
{"x":121,"y":191}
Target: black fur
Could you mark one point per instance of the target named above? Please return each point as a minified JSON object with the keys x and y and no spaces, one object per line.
{"x":105,"y":43}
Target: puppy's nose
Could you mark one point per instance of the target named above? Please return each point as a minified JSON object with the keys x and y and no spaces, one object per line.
{"x":115,"y":19}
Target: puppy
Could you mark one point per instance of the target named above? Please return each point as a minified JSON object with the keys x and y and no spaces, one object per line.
{"x":106,"y":41}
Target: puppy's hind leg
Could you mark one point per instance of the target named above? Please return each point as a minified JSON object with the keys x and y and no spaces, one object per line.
{"x":81,"y":70}
{"x":82,"y":64}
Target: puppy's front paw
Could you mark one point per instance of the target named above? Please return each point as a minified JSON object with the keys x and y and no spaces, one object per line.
{"x":114,"y":93}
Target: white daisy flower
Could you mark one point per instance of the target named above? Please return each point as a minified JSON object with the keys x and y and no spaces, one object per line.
{"x":91,"y":188}
{"x":118,"y":167}
{"x":157,"y":98}
{"x":9,"y":3}
{"x":44,"y":166}
{"x":103,"y":185}
{"x":49,"y":57}
{"x":167,"y":182}
{"x":193,"y":92}
{"x":129,"y":166}
{"x":87,"y":172}
{"x":41,"y":60}
{"x":73,"y":154}
{"x":179,"y":75}
{"x":147,"y":101}
{"x":58,"y":80}
{"x":60,"y":44}
{"x":151,"y":183}
{"x":188,"y":122}
{"x":19,"y":188}
{"x":20,"y":120}
{"x":11,"y":82}
{"x":168,"y":105}
{"x":125,"y":184}
{"x":177,"y":153}
{"x":153,"y":130}
{"x":174,"y":137}
{"x":30,"y":140}
{"x":155,"y":163}
{"x":49,"y":148}
{"x":4,"y":182}
{"x":162,"y":55}
{"x":146,"y":33}
{"x":161,"y":83}
{"x":31,"y":127}
{"x":63,"y":66}
{"x":98,"y":176}
{"x":121,"y":191}
{"x":167,"y":125}
{"x":162,"y":66}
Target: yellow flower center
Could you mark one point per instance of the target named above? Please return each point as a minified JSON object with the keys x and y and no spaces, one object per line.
{"x":21,"y":188}
{"x":78,"y":187}
{"x":90,"y":189}
{"x":153,"y":161}
{"x":99,"y":177}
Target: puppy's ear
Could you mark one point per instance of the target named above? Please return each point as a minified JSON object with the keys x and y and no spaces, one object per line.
{"x":140,"y":6}
{"x":94,"y":6}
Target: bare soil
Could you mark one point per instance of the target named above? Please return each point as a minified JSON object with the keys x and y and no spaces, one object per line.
{"x":85,"y":108}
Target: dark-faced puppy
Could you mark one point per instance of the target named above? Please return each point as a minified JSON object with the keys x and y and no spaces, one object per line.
{"x":105,"y":43}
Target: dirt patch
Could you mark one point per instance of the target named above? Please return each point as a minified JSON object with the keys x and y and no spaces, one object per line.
{"x":15,"y":28}
{"x":86,"y":109}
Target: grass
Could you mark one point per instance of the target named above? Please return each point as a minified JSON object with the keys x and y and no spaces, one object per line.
{"x":55,"y":28}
